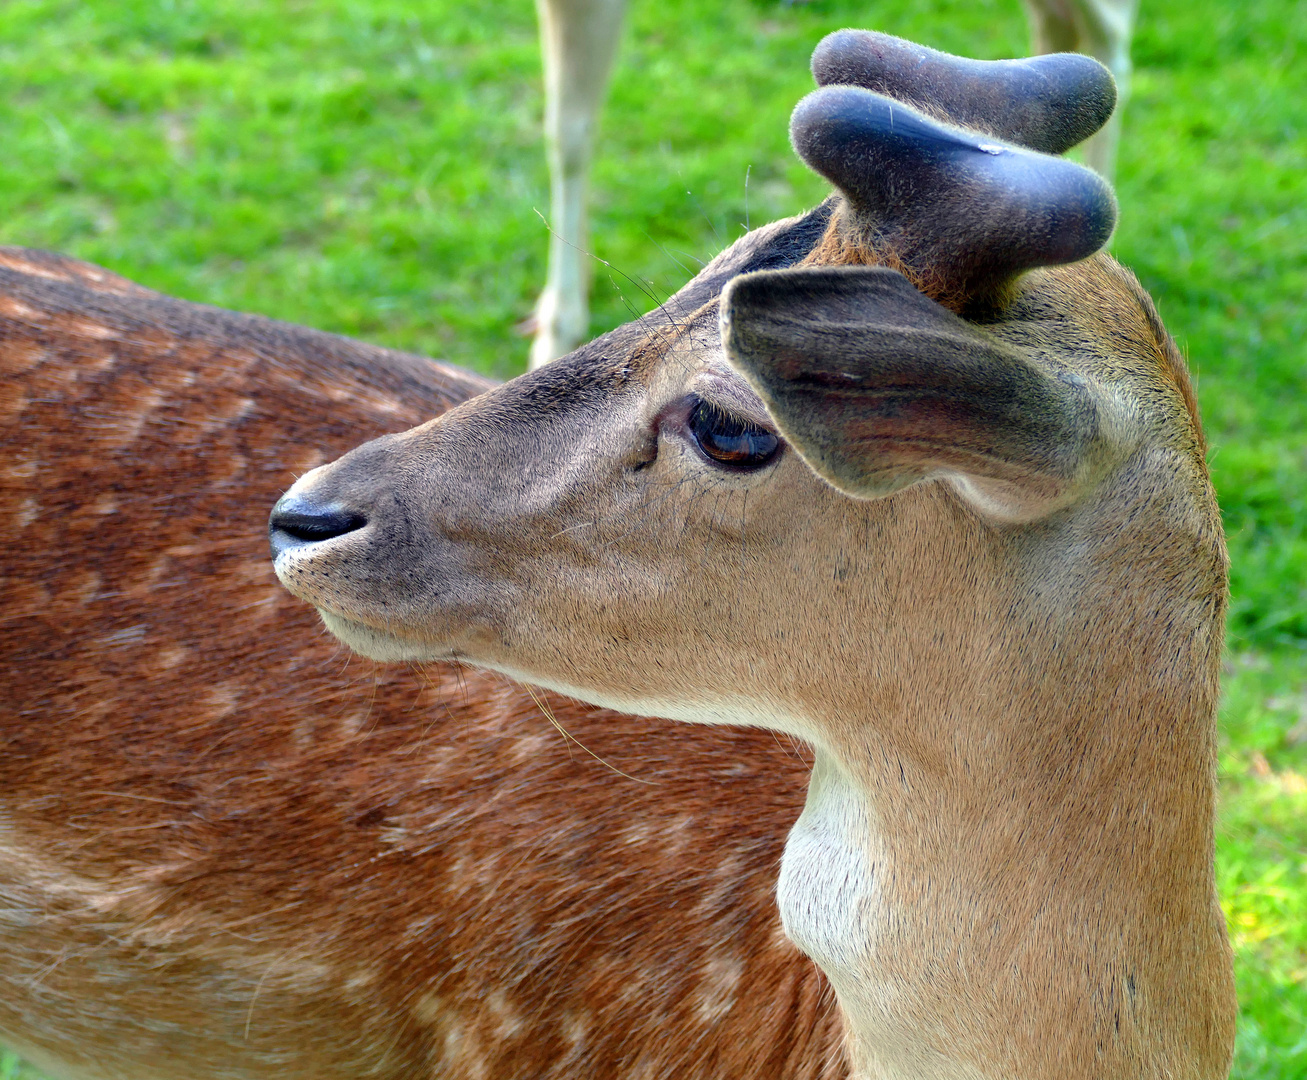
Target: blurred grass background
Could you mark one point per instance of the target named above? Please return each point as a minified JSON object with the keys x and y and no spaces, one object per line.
{"x":374,"y":168}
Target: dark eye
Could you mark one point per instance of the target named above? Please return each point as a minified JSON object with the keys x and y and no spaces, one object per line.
{"x":731,"y":440}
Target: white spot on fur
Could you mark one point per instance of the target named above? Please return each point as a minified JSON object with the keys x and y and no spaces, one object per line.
{"x":462,"y":1051}
{"x":723,"y":896}
{"x":637,"y":834}
{"x":352,"y":723}
{"x":419,"y":928}
{"x":231,"y":468}
{"x":719,"y":981}
{"x":427,"y":1010}
{"x":304,"y":735}
{"x":105,"y":902}
{"x":676,"y":833}
{"x":509,"y":1022}
{"x":222,"y":699}
{"x":11,"y":262}
{"x":28,"y":511}
{"x":88,"y":328}
{"x":266,"y":606}
{"x":529,"y":748}
{"x":394,"y":836}
{"x":16,"y":309}
{"x":130,"y":424}
{"x":360,"y":980}
{"x":171,"y":656}
{"x":576,"y":1026}
{"x":87,"y":587}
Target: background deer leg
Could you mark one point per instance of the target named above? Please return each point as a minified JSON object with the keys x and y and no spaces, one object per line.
{"x":1101,"y":28}
{"x":578,"y":39}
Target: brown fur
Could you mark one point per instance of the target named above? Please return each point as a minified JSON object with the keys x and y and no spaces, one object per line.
{"x":228,"y":850}
{"x":845,"y":245}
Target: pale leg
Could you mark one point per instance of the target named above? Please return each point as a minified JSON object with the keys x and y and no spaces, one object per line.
{"x":578,"y":39}
{"x":1102,"y":29}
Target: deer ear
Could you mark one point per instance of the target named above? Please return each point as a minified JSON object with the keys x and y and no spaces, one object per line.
{"x":878,"y":387}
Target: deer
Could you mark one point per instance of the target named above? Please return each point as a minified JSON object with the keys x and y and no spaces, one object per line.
{"x":578,"y":44}
{"x":228,"y":850}
{"x":918,"y":479}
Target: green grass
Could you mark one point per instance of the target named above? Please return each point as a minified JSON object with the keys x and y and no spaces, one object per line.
{"x":1262,"y":857}
{"x":374,"y":168}
{"x":11,"y":1068}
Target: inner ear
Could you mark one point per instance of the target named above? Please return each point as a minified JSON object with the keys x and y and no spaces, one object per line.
{"x":878,"y":387}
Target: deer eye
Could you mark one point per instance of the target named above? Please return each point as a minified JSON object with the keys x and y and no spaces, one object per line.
{"x":731,"y":440}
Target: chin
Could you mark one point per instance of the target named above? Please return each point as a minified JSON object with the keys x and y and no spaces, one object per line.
{"x":379,"y":645}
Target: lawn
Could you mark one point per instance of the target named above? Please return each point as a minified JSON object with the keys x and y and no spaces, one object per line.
{"x":374,"y":168}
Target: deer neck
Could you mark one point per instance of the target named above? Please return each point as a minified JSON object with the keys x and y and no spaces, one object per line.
{"x":836,"y":895}
{"x":961,"y":923}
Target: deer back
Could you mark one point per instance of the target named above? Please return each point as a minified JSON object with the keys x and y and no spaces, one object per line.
{"x":229,"y":850}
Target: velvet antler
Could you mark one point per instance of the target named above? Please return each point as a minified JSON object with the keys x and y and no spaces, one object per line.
{"x":1047,"y":103}
{"x":962,"y":211}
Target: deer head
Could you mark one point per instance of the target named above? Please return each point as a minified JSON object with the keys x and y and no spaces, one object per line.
{"x":918,"y":478}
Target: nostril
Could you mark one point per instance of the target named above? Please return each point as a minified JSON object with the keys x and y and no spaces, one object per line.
{"x":306,"y":522}
{"x":318,"y":526}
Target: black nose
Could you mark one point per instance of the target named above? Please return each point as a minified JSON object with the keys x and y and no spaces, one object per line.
{"x":297,"y":521}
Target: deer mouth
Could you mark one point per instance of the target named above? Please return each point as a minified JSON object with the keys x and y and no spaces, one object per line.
{"x":383,"y":645}
{"x":330,"y":554}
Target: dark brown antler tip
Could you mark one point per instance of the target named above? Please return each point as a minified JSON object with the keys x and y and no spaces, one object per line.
{"x":958,"y":209}
{"x":1047,"y":103}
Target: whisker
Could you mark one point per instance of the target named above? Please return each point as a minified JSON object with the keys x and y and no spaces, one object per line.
{"x":549,"y":714}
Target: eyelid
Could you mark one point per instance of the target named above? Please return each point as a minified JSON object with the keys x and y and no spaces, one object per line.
{"x":733,"y":397}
